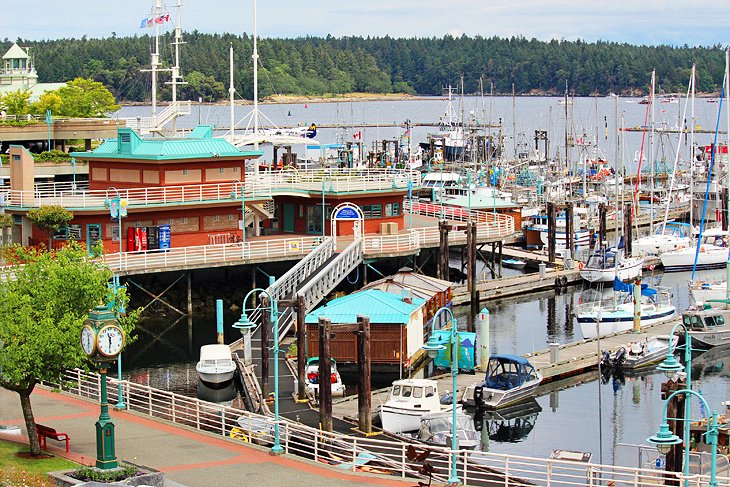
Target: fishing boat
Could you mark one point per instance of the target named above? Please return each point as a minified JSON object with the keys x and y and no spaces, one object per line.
{"x":312,"y":381}
{"x":510,"y":379}
{"x":710,"y":253}
{"x":215,"y":365}
{"x":708,"y":292}
{"x":436,"y":429}
{"x":409,"y":400}
{"x":707,"y":326}
{"x":617,"y":314}
{"x":639,"y":353}
{"x":514,"y":263}
{"x":605,"y":265}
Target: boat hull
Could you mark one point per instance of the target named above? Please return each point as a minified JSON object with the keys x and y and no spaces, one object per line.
{"x":395,"y":419}
{"x":684,"y":260}
{"x":620,"y":322}
{"x":630,"y":269}
{"x":709,"y":339}
{"x":219,"y":376}
{"x":498,"y":398}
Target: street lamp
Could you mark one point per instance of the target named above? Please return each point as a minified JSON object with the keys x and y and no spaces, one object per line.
{"x":117,"y":210}
{"x":670,"y":366}
{"x":234,"y":195}
{"x":432,"y":348}
{"x":245,"y":325}
{"x":664,"y":439}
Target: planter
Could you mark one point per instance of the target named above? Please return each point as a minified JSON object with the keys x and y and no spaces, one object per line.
{"x":146,"y":476}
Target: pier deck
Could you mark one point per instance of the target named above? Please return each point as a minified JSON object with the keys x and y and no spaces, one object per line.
{"x":573,"y":359}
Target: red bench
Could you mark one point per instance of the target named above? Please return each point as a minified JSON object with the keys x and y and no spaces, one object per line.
{"x":48,"y":432}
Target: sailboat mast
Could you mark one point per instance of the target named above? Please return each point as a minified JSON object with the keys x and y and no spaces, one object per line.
{"x":727,"y":168}
{"x":156,"y":57}
{"x":255,"y":57}
{"x":176,"y":69}
{"x":566,"y":125}
{"x":651,"y":151}
{"x":231,"y":91}
{"x":618,"y":174}
{"x":692,"y":152}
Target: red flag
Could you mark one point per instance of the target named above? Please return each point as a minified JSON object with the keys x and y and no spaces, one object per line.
{"x":357,"y":135}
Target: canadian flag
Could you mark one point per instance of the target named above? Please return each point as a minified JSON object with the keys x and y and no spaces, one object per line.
{"x":357,"y":135}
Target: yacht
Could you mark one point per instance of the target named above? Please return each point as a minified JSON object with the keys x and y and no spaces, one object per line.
{"x":409,"y":400}
{"x":710,"y":253}
{"x":708,"y":327}
{"x":510,"y":379}
{"x":215,"y":366}
{"x":605,"y":265}
{"x":667,"y":237}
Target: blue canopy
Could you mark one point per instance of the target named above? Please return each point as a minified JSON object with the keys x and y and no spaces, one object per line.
{"x":621,"y":286}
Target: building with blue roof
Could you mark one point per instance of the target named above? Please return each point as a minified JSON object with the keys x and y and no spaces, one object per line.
{"x":396,"y":326}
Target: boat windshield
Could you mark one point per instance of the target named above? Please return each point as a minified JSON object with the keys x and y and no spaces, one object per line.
{"x":601,"y":261}
{"x":505,"y":375}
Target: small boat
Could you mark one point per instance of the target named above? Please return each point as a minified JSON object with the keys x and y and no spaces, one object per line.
{"x":708,"y":327}
{"x":215,"y":365}
{"x":409,"y":400}
{"x":514,"y":263}
{"x":510,"y":379}
{"x":667,"y":237}
{"x":312,"y":378}
{"x":639,"y":353}
{"x":708,"y":292}
{"x":617,"y":315}
{"x":712,"y":253}
{"x":436,"y":429}
{"x":605,"y":265}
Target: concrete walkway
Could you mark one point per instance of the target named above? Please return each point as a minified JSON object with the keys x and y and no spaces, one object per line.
{"x":186,"y":456}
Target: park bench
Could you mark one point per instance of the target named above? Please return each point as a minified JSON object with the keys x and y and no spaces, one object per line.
{"x":48,"y":432}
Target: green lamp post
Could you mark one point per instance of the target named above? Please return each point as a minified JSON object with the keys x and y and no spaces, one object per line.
{"x":102,"y":339}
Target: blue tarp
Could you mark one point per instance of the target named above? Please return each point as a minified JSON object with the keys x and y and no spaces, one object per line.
{"x":621,"y":286}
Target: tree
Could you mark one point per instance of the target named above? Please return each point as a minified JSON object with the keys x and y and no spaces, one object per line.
{"x":205,"y":87}
{"x":42,"y":311}
{"x":6,"y":222}
{"x":85,"y":98}
{"x":50,"y":219}
{"x":16,"y":102}
{"x":48,"y":101}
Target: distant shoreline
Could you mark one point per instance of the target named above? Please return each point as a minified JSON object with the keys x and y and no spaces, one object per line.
{"x":369,"y":97}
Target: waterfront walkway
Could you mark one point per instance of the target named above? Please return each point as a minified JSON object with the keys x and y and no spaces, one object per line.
{"x":186,"y":456}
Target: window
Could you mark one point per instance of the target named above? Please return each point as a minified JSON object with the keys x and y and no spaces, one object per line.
{"x":126,"y":138}
{"x":372,"y":211}
{"x":392,"y":209}
{"x":221,"y":170}
{"x":74,"y":232}
{"x":184,"y":172}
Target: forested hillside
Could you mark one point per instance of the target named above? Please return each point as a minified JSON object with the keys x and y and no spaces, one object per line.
{"x":318,"y":66}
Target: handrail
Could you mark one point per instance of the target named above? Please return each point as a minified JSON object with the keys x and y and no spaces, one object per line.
{"x":475,"y":467}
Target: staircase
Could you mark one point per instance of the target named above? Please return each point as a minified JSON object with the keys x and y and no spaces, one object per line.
{"x":148,"y":125}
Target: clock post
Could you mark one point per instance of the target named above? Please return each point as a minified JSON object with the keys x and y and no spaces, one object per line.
{"x":102,"y":340}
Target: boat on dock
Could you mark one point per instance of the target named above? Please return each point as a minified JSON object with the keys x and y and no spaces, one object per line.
{"x":409,"y":400}
{"x":215,"y":367}
{"x":640,"y":353}
{"x":510,"y":379}
{"x":707,"y":326}
{"x":605,"y":265}
{"x":436,"y":429}
{"x":312,"y":380}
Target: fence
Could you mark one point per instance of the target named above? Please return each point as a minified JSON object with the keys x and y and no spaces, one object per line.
{"x":389,"y":456}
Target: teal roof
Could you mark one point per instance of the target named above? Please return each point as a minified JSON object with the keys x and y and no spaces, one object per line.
{"x":379,"y":306}
{"x":480,"y":202}
{"x":198,"y":144}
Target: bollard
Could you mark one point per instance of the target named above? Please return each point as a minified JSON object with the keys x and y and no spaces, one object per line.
{"x":219,"y":320}
{"x":482,"y":319}
{"x":543,"y":270}
{"x":554,"y":353}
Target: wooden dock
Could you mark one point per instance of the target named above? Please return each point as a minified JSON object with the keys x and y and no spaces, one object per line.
{"x":573,"y":359}
{"x":517,"y":285}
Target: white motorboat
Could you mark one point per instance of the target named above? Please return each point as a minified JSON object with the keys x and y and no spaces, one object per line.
{"x":640,"y":353}
{"x":711,"y":253}
{"x":514,"y":263}
{"x":436,"y":429}
{"x":704,"y":292}
{"x":409,"y":400}
{"x":215,"y":365}
{"x":510,"y":379}
{"x":667,"y":238}
{"x":606,"y":265}
{"x":312,"y":379}
{"x":617,"y":315}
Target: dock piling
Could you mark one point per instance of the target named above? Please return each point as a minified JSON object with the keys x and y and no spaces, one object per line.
{"x":364,"y":404}
{"x":301,"y":348}
{"x":483,"y":322}
{"x":325,"y":371}
{"x":219,"y":320}
{"x":443,"y":266}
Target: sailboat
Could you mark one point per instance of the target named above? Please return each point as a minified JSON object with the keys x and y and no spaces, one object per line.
{"x":606,"y":265}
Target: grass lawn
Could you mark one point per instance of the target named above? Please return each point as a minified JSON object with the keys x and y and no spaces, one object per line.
{"x":19,"y":471}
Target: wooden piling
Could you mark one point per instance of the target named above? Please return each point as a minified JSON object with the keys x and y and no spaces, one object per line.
{"x":443,"y":267}
{"x":471,"y":268}
{"x":301,"y":351}
{"x":627,"y":229}
{"x":551,"y":231}
{"x":601,"y":223}
{"x":569,"y":231}
{"x":364,"y":405}
{"x":325,"y":371}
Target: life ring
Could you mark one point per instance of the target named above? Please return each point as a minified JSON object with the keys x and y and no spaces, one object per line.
{"x":580,"y":266}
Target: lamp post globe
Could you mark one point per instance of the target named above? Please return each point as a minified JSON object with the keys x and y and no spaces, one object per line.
{"x":664,"y":439}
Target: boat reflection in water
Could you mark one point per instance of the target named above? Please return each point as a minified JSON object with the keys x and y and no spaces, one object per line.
{"x":508,"y":425}
{"x":223,"y":395}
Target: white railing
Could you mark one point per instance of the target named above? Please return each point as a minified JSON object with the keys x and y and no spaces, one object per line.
{"x":265,"y":185}
{"x":211,"y":254}
{"x":473,"y":468}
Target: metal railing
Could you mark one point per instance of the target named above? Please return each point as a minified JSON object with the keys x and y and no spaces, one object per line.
{"x":265,"y":185}
{"x":146,"y":125}
{"x":235,"y":253}
{"x":389,"y":456}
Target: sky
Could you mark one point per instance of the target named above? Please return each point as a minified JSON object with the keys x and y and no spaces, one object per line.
{"x":673,"y":22}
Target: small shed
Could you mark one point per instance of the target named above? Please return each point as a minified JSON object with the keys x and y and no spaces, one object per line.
{"x":396,"y":324}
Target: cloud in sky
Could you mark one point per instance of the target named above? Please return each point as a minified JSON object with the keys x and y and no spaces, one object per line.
{"x":701,"y":22}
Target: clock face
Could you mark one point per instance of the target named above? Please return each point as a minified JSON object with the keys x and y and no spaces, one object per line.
{"x":88,"y":340}
{"x":110,"y":341}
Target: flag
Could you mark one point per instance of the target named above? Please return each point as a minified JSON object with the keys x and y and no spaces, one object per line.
{"x":143,"y":24}
{"x":305,"y":106}
{"x":357,"y":135}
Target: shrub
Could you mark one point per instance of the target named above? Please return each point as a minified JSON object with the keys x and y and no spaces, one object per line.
{"x":91,"y":474}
